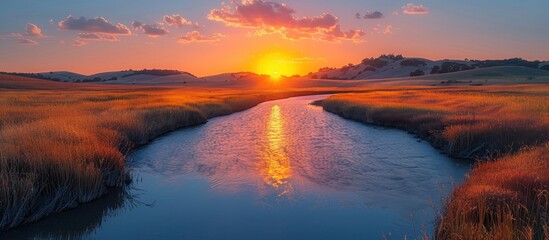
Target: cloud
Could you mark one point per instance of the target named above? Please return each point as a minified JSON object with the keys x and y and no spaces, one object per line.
{"x":379,"y":29}
{"x":26,"y":41}
{"x":31,"y":30}
{"x":373,"y":15}
{"x":335,"y":35}
{"x":195,"y":36}
{"x":272,"y":17}
{"x":176,"y":20}
{"x":96,"y":37}
{"x":414,"y":9}
{"x":26,"y":38}
{"x":94,"y":25}
{"x":388,"y":30}
{"x":85,"y":38}
{"x":151,"y":30}
{"x":79,"y":43}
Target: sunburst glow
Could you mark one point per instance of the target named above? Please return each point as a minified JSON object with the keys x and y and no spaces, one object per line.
{"x":276,"y":64}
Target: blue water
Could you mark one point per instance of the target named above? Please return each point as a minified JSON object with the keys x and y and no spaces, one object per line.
{"x":282,"y":170}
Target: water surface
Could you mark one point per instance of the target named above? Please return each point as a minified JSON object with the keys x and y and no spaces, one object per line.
{"x":282,"y":170}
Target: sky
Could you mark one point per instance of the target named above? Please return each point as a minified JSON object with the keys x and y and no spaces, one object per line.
{"x":284,"y":37}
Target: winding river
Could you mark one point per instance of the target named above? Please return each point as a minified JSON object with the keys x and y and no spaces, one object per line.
{"x":282,"y":170}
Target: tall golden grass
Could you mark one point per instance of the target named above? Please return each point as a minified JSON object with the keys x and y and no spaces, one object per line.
{"x":62,"y":144}
{"x":463,"y":122}
{"x":505,"y":197}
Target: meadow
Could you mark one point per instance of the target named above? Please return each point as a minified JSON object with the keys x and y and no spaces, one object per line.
{"x":503,"y":129}
{"x":65,"y":144}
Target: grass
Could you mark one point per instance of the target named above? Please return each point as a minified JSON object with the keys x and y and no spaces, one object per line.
{"x":64,"y":144}
{"x":463,"y":122}
{"x":504,"y":197}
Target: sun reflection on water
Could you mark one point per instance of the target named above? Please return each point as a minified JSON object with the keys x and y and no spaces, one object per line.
{"x":275,"y":167}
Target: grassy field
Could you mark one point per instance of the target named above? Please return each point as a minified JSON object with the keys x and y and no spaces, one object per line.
{"x":507,"y":195}
{"x":64,"y":144}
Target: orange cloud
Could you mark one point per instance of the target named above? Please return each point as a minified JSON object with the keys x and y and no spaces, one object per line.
{"x":79,"y":43}
{"x":31,"y":30}
{"x":176,"y":20}
{"x":272,"y":17}
{"x":196,"y":36}
{"x":26,"y":41}
{"x":414,"y":9}
{"x":96,"y":37}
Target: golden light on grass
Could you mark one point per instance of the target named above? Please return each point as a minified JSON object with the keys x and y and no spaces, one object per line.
{"x":63,"y":144}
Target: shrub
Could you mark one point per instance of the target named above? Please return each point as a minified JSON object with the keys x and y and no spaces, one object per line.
{"x":416,"y":73}
{"x":435,"y":69}
{"x":412,"y":62}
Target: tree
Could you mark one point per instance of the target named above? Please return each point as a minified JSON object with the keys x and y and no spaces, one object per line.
{"x":416,"y":73}
{"x":435,"y":69}
{"x":412,"y":62}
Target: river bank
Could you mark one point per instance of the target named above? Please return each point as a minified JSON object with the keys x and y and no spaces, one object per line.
{"x":506,"y":196}
{"x":62,"y":145}
{"x":282,"y":164}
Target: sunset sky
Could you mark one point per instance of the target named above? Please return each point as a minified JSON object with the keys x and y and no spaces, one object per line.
{"x":208,"y":37}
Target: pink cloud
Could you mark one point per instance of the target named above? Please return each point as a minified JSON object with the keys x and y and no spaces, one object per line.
{"x":414,"y":9}
{"x":26,"y":41}
{"x":388,"y":30}
{"x":79,"y":43}
{"x":196,"y":36}
{"x":96,"y":37}
{"x":176,"y":20}
{"x":335,"y":35}
{"x":151,"y":30}
{"x":31,"y":30}
{"x":272,"y":17}
{"x":94,"y":25}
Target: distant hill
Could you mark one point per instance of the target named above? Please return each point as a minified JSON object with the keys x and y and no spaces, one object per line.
{"x":127,"y":75}
{"x":397,"y":66}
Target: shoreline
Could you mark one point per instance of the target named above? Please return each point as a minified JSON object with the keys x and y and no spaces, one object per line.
{"x":498,"y":187}
{"x":120,"y":176}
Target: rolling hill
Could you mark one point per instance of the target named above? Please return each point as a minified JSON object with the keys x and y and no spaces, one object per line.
{"x":397,"y":66}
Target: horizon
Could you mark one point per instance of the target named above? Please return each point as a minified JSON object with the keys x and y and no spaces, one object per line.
{"x":263,"y":37}
{"x":253,"y":72}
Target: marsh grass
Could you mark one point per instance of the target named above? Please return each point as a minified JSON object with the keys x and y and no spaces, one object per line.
{"x":507,"y":198}
{"x":62,"y":145}
{"x":464,"y":124}
{"x":504,"y":197}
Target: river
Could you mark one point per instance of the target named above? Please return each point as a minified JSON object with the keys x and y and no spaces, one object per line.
{"x":282,"y":170}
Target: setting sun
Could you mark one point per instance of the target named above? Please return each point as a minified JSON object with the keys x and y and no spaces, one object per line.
{"x":276,"y":64}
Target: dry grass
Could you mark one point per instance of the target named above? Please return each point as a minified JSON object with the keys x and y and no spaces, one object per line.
{"x":503,"y":199}
{"x":506,"y":197}
{"x":64,"y":144}
{"x":463,"y":122}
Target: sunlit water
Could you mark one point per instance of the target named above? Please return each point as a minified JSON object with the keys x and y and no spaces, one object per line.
{"x":282,"y":170}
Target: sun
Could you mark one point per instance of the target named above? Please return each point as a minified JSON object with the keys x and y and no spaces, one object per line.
{"x":276,"y":65}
